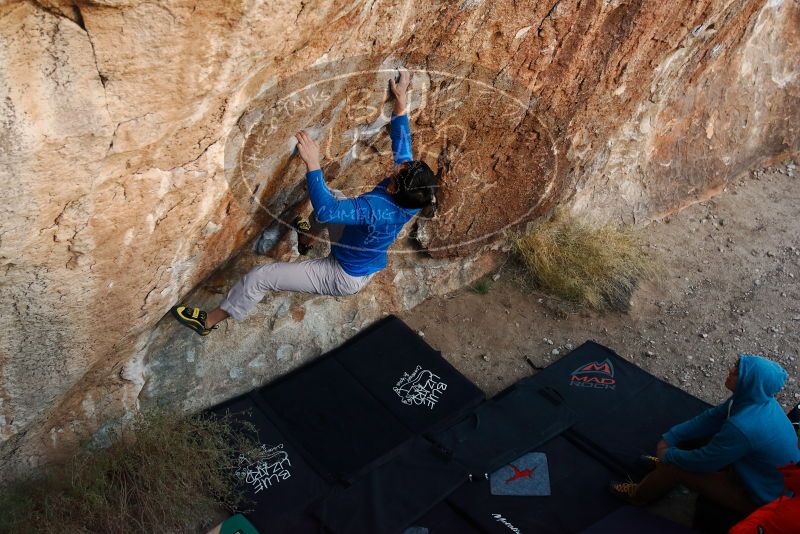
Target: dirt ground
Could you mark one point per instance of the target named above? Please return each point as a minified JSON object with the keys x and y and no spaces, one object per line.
{"x":731,"y":284}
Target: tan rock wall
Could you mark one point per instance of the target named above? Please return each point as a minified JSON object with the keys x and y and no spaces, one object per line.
{"x":138,"y":155}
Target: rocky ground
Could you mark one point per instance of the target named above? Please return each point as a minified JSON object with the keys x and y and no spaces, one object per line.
{"x":730,"y":285}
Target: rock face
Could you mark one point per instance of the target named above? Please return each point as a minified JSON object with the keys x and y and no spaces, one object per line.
{"x":144,"y":144}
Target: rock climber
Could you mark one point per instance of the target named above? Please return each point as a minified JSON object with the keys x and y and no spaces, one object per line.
{"x":361,"y":229}
{"x":749,"y":436}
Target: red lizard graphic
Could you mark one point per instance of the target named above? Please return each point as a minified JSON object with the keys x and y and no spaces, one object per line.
{"x":520,"y":474}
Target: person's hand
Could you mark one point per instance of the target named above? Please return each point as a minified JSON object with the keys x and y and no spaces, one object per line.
{"x":308,"y":150}
{"x":661,"y":449}
{"x":399,"y":90}
{"x":399,"y":87}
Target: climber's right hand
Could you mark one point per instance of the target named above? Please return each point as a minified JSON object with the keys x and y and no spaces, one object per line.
{"x":308,"y":150}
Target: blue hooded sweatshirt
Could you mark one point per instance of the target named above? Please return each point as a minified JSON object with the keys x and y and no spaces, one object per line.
{"x":372,"y":220}
{"x":750,"y":431}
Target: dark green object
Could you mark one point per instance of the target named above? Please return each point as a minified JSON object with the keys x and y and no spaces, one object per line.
{"x":237,"y":524}
{"x":481,"y":287}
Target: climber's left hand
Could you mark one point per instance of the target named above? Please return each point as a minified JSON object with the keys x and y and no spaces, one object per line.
{"x":308,"y":150}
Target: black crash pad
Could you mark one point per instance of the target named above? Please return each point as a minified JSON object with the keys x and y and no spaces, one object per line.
{"x":592,"y":413}
{"x":592,"y":379}
{"x":627,"y":431}
{"x":618,"y":406}
{"x":278,"y":485}
{"x":394,"y":494}
{"x":633,"y":519}
{"x":342,"y":428}
{"x":409,"y":377}
{"x":504,"y":428}
{"x":442,"y":519}
{"x":579,"y":496}
{"x":619,"y":411}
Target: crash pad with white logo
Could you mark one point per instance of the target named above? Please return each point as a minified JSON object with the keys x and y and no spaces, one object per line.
{"x":277,"y":483}
{"x":342,"y":428}
{"x":409,"y":377}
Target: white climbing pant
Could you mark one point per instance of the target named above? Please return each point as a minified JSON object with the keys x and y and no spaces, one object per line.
{"x":323,"y":276}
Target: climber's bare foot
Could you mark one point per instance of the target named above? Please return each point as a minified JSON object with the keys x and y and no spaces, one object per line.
{"x":215,"y":316}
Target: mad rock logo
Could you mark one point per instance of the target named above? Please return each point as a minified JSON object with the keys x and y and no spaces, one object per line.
{"x":267,"y":467}
{"x":597,"y":375}
{"x":420,"y":388}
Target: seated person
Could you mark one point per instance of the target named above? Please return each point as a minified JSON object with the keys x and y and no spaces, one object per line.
{"x":750,"y":437}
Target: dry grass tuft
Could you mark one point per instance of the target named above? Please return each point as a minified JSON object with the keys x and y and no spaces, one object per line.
{"x":166,"y":473}
{"x":598,"y":267}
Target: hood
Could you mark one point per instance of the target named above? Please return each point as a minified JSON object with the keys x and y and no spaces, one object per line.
{"x":791,"y":477}
{"x":759,"y":380}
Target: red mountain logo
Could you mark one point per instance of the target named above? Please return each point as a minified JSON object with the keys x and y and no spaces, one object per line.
{"x":604,"y":368}
{"x":525,"y":473}
{"x":597,"y":375}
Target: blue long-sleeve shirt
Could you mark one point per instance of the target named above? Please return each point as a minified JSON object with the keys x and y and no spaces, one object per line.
{"x":400,"y":132}
{"x":372,"y":220}
{"x":749,"y":431}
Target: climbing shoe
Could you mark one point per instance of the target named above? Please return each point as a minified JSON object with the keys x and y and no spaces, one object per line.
{"x":623,"y":490}
{"x":193,"y":318}
{"x":302,"y":226}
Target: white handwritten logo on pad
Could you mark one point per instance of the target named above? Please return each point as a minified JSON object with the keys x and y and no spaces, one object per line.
{"x":502,"y":520}
{"x":265,"y":468}
{"x":420,"y":388}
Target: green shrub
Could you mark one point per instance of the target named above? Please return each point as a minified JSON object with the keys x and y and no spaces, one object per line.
{"x":165,"y":473}
{"x":595,"y":266}
{"x":481,"y":286}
